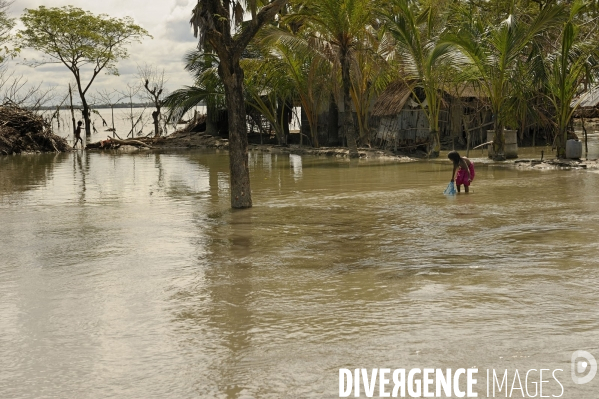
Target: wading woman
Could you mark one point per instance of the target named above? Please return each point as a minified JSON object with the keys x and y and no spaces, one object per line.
{"x":465,"y":169}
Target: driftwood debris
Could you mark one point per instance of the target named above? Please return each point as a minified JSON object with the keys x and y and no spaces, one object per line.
{"x":24,"y":131}
{"x":111,"y":143}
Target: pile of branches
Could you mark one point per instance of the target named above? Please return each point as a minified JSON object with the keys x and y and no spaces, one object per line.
{"x":24,"y":131}
{"x":112,"y":144}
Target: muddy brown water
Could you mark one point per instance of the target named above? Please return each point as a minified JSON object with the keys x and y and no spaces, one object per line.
{"x":128,"y":276}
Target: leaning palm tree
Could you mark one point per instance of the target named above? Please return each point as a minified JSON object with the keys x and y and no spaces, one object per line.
{"x":342,"y":26}
{"x":493,"y":50}
{"x":301,"y":59}
{"x":308,"y":72}
{"x":207,"y":88}
{"x":424,"y":59}
{"x":267,"y":85}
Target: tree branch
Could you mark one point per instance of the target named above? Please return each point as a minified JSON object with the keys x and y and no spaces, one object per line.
{"x":266,"y":14}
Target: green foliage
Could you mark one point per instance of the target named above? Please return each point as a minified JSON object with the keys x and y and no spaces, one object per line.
{"x":7,"y":50}
{"x":75,"y":37}
{"x":494,"y":52}
{"x":568,"y":68}
{"x":303,"y":71}
{"x":426,"y":60}
{"x":207,"y":88}
{"x":529,"y":59}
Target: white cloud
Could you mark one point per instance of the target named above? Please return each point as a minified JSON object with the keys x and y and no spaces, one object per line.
{"x":166,"y":20}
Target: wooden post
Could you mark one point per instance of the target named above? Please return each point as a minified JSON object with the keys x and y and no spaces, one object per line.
{"x":112,"y":112}
{"x":586,"y":145}
{"x":72,"y":110}
{"x":467,"y":121}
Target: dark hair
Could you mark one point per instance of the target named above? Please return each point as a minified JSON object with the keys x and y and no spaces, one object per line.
{"x":455,"y":157}
{"x":79,"y":123}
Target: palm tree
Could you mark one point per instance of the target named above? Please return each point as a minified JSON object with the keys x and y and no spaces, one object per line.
{"x":219,"y":23}
{"x":341,"y":25}
{"x":207,"y":88}
{"x":568,"y":68}
{"x":493,"y":51}
{"x":370,"y":75}
{"x":266,"y":85}
{"x":424,"y":58}
{"x":308,"y":68}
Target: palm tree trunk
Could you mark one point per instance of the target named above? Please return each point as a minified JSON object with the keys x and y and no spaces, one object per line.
{"x":562,"y":138}
{"x":498,"y":143}
{"x":348,"y":120}
{"x":232,"y":76}
{"x":333,"y":123}
{"x":285,"y":112}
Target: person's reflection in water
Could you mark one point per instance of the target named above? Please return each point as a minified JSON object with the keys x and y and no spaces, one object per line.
{"x":80,"y":170}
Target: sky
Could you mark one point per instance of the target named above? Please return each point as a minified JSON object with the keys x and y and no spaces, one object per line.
{"x":166,"y":20}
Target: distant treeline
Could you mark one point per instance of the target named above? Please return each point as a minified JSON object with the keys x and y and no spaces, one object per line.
{"x":100,"y":106}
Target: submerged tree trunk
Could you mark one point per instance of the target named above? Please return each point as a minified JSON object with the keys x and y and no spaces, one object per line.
{"x":72,"y":110}
{"x":333,"y":125}
{"x":86,"y":118}
{"x":435,"y":146}
{"x":285,"y":112}
{"x":112,"y":115}
{"x":499,"y":143}
{"x":211,"y":21}
{"x":560,"y":143}
{"x":232,"y":76}
{"x":586,"y":144}
{"x":86,"y":112}
{"x":348,"y":120}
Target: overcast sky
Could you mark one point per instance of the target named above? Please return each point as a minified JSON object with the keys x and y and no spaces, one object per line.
{"x":166,"y":20}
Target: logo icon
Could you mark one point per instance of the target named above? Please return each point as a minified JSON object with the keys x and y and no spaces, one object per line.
{"x":583,"y":362}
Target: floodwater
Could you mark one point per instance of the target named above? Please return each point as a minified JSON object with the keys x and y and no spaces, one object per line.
{"x":128,"y":276}
{"x":125,"y":120}
{"x":138,"y":120}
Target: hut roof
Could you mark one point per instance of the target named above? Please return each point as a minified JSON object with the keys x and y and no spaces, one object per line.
{"x":465,"y":90}
{"x":588,"y":99}
{"x":392,"y":100}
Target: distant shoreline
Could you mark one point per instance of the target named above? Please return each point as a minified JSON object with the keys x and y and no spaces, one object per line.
{"x":100,"y":106}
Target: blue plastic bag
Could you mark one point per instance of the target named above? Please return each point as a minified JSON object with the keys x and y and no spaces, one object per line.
{"x":450,"y":190}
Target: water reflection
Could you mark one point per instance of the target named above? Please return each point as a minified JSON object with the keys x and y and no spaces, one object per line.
{"x":26,"y":172}
{"x":296,"y":165}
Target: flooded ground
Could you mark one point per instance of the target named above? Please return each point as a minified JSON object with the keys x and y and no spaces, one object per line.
{"x":128,"y":276}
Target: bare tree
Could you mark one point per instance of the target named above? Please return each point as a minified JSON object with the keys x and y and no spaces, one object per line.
{"x":17,"y":90}
{"x":130,"y":93}
{"x":110,"y":98}
{"x":153,"y":81}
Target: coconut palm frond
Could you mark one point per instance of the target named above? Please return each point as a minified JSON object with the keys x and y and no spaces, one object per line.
{"x":183,"y":100}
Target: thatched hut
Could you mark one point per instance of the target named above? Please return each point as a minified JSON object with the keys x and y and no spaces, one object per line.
{"x":399,"y":120}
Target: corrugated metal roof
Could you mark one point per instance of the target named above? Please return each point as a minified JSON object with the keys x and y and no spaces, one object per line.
{"x":588,"y":99}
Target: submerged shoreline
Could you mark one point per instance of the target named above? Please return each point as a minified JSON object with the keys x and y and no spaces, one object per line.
{"x":182,"y":140}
